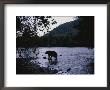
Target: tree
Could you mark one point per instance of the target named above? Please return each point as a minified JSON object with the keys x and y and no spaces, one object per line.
{"x":36,"y":23}
{"x":87,"y":30}
{"x":28,"y":28}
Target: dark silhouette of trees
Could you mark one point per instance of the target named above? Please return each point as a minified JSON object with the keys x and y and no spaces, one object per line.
{"x":86,"y":28}
{"x":78,"y":33}
{"x":27,"y":28}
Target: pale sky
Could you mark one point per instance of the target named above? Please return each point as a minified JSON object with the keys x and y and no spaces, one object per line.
{"x":60,"y":20}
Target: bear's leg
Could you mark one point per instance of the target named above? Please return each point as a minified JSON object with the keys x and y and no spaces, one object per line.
{"x":50,"y":59}
{"x":55,"y":60}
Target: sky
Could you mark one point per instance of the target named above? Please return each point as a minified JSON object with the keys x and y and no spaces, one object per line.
{"x":60,"y":20}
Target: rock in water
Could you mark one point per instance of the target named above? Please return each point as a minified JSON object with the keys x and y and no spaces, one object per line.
{"x":44,"y":57}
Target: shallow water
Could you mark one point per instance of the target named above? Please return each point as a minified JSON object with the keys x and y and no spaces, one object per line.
{"x":73,"y":60}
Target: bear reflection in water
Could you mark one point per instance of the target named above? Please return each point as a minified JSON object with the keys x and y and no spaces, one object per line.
{"x":52,"y":57}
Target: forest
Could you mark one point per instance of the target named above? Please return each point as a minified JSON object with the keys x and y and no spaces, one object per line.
{"x":76,"y":33}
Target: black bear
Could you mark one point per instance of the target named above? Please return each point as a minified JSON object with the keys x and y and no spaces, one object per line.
{"x":50,"y":55}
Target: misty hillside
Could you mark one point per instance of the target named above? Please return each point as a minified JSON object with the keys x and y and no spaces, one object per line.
{"x":67,"y":29}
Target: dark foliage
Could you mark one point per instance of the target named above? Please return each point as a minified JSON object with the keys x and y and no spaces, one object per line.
{"x":78,"y":33}
{"x":86,"y":30}
{"x":24,"y":66}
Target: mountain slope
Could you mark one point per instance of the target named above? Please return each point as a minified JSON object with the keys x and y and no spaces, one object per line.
{"x":66,"y":29}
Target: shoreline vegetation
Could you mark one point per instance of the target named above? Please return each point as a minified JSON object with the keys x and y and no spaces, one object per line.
{"x":24,"y":66}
